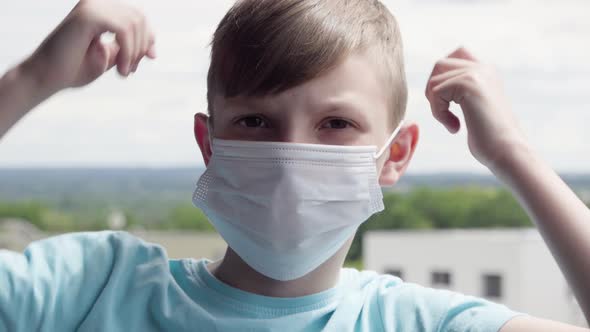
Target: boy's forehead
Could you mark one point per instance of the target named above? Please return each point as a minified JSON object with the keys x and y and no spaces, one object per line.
{"x":354,"y":84}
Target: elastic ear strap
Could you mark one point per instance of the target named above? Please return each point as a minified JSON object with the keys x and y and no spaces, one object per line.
{"x":390,"y":140}
{"x":209,"y":133}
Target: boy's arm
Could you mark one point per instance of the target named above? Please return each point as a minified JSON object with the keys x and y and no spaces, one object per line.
{"x":18,"y":94}
{"x":73,"y":56}
{"x":496,"y":141}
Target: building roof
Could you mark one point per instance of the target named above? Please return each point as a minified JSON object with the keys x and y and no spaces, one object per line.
{"x":501,"y":234}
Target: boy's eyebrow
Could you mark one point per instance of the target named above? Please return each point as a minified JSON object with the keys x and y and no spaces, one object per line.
{"x":343,"y":106}
{"x":241,"y":105}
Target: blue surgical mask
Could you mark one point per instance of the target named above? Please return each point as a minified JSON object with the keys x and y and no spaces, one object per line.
{"x":286,"y":208}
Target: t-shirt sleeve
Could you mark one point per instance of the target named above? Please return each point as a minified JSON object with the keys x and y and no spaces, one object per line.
{"x":410,"y":307}
{"x":53,"y":284}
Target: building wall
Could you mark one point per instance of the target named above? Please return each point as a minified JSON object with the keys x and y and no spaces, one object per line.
{"x":187,"y":244}
{"x":178,"y":244}
{"x":531,"y":282}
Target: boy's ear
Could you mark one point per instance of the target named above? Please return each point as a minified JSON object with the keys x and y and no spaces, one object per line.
{"x":202,"y":136}
{"x":400,"y":154}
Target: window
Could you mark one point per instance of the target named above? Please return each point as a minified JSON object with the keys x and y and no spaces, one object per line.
{"x":440,"y":278}
{"x":492,"y":286}
{"x":395,"y":272}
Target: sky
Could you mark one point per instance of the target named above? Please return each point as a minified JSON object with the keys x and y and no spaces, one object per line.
{"x":540,"y":48}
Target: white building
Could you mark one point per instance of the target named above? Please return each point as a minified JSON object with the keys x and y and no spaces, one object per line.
{"x":513,"y":267}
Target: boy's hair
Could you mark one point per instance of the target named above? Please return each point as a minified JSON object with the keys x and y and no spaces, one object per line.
{"x":263,"y":47}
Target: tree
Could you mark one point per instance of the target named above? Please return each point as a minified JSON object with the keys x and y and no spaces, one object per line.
{"x":186,"y":216}
{"x":32,"y":212}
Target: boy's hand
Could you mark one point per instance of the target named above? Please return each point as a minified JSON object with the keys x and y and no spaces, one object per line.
{"x":73,"y":55}
{"x":493,"y":133}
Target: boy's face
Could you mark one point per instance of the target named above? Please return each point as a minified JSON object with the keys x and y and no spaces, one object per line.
{"x":347,"y":106}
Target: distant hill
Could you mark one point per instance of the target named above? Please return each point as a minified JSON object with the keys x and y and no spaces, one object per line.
{"x":49,"y":184}
{"x":178,"y":183}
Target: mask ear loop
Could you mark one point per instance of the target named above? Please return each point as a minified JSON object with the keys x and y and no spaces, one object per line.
{"x":209,"y":134}
{"x":389,"y":140}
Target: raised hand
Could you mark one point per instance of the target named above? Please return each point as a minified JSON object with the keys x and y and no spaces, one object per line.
{"x":493,"y":132}
{"x":73,"y":55}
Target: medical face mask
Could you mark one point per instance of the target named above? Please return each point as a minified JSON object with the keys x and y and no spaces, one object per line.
{"x":286,"y":208}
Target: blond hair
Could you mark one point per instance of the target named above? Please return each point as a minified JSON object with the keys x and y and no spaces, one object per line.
{"x":264,"y":47}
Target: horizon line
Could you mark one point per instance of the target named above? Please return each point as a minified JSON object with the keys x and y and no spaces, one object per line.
{"x":187,"y":167}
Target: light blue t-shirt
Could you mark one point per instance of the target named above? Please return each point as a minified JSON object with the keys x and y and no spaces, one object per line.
{"x":113,"y":281}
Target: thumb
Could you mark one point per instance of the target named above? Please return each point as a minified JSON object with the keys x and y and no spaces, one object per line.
{"x":101,"y":56}
{"x":112,"y":50}
{"x":104,"y":55}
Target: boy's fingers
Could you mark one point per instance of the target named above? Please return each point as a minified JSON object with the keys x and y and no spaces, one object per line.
{"x":139,"y":32}
{"x":438,"y":107}
{"x":151,"y":40}
{"x":146,"y":40}
{"x":151,"y":53}
{"x":147,"y":49}
{"x":451,"y":90}
{"x":443,"y":88}
{"x":131,"y":31}
{"x":126,"y":43}
{"x":96,"y":61}
{"x":440,"y":111}
{"x":136,"y":65}
{"x":438,"y":79}
{"x":450,"y":121}
{"x":463,"y":53}
{"x":143,"y":39}
{"x":112,"y":51}
{"x":448,"y":64}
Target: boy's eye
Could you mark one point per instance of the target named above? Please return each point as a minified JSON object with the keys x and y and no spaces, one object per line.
{"x":252,"y":122}
{"x":336,"y":124}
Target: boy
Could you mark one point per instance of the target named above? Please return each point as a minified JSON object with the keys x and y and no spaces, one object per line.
{"x":306,"y":103}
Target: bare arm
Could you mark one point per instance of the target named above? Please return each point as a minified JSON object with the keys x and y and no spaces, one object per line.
{"x":495,"y":140}
{"x":19,"y":93}
{"x":531,"y":324}
{"x":73,"y":56}
{"x":561,"y":217}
